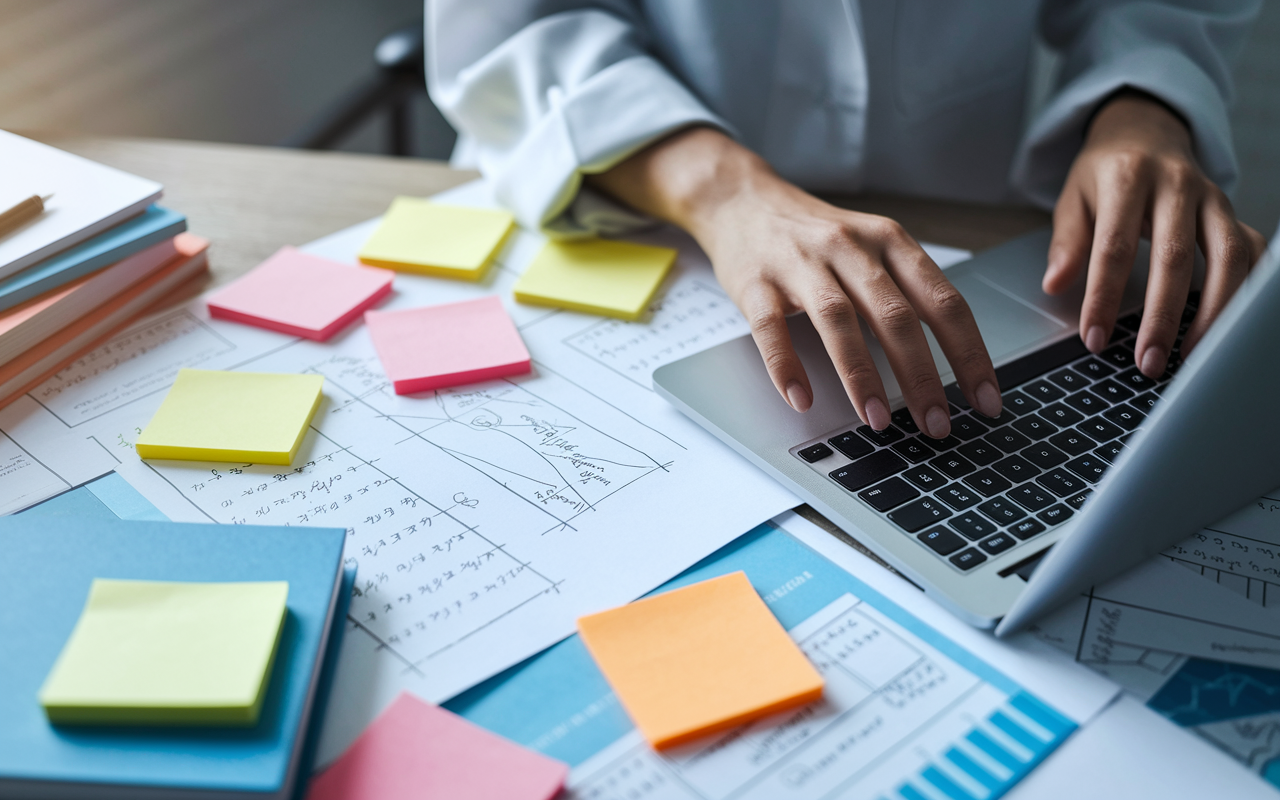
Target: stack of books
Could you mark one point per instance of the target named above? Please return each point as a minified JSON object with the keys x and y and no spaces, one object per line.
{"x":84,"y":250}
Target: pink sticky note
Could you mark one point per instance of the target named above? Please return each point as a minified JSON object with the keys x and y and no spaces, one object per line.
{"x":415,"y":750}
{"x":447,"y":345}
{"x":302,"y":295}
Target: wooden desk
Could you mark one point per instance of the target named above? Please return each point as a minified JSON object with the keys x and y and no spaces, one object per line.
{"x":250,"y":201}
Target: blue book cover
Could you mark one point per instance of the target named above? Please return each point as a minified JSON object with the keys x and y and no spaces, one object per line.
{"x":131,"y":236}
{"x":53,"y":552}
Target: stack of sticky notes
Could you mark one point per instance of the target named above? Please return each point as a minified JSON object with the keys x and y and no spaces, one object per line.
{"x":699,"y":659}
{"x":302,"y":295}
{"x":447,"y":345}
{"x":598,"y":276}
{"x":165,"y":653}
{"x":414,"y":749}
{"x":252,"y":417}
{"x":437,"y":239}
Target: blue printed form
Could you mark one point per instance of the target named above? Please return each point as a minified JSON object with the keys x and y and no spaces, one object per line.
{"x":907,"y":713}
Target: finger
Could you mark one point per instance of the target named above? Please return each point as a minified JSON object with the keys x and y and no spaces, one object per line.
{"x":1173,"y":251}
{"x":946,"y":312}
{"x":1122,"y":204}
{"x":894,"y":322}
{"x":1072,"y":239}
{"x":766,"y":314}
{"x":836,"y":321}
{"x":1228,"y":255}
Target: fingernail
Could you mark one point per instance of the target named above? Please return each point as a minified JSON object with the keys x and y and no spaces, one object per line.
{"x":877,"y":413}
{"x":1153,"y":361}
{"x":798,"y":397}
{"x":1095,"y":339}
{"x":937,"y":422}
{"x":988,"y":398}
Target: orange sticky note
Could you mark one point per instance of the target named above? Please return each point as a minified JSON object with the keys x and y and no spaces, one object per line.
{"x":447,"y":345}
{"x":698,"y":660}
{"x":302,"y":295}
{"x":417,"y":750}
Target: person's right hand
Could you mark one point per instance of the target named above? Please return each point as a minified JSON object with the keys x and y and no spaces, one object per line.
{"x":777,"y":250}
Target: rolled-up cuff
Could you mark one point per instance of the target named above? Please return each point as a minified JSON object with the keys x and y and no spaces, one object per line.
{"x":1050,"y":147}
{"x":615,"y":113}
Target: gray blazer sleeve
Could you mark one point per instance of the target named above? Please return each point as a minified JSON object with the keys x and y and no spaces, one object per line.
{"x":1181,"y":53}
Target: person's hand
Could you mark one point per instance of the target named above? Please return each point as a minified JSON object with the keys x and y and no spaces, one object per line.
{"x":1137,"y":176}
{"x":777,"y":250}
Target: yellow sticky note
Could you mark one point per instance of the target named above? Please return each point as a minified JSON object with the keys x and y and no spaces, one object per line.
{"x":156,"y":653}
{"x":699,"y":659}
{"x":614,"y":279}
{"x":256,"y":417}
{"x":436,"y":239}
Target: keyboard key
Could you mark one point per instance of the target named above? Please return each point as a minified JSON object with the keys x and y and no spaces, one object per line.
{"x":1110,"y":451}
{"x":1099,"y":429}
{"x":939,"y":444}
{"x":1131,"y":322}
{"x":1043,"y":391}
{"x":866,"y":471}
{"x":882,"y":438}
{"x":1094,"y":368}
{"x":1145,"y":402}
{"x":902,"y":418}
{"x":851,"y":445}
{"x":1007,"y":439}
{"x":1034,"y":428}
{"x":967,"y":559}
{"x":1125,"y":417}
{"x":1069,"y":380}
{"x":1031,"y":497}
{"x":998,"y":543}
{"x":1055,"y":514}
{"x":1089,"y":467}
{"x":1044,"y":455}
{"x":942,"y":541}
{"x":980,"y":453}
{"x":925,"y":478}
{"x":815,"y":452}
{"x":1019,"y":403}
{"x":914,"y":516}
{"x":1111,"y":391}
{"x":1061,"y":482}
{"x":1016,"y":469}
{"x":890,"y":494}
{"x":1119,"y":356}
{"x":958,"y":496}
{"x":1002,"y":510}
{"x":1087,"y":403}
{"x":953,"y":465}
{"x":1024,"y":529}
{"x":1006,"y":416}
{"x":914,"y":450}
{"x":988,"y":482}
{"x":965,"y":428}
{"x":1079,"y":500}
{"x":1072,"y":442}
{"x":972,"y":525}
{"x":1135,"y":380}
{"x":1060,"y":415}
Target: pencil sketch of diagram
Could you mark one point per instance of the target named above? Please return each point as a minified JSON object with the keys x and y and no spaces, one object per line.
{"x":447,"y":498}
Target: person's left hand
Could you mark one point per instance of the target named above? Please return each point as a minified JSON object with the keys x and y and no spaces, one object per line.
{"x":1137,"y":176}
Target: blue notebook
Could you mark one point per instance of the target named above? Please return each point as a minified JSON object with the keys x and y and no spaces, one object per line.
{"x":53,"y":552}
{"x":131,"y":236}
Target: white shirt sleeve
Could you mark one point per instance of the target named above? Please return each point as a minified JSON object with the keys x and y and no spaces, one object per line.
{"x":545,"y":91}
{"x":1180,"y":53}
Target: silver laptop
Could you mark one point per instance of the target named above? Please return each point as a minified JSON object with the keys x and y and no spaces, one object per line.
{"x":1090,"y":457}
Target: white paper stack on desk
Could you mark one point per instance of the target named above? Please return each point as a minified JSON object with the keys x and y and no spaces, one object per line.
{"x":98,"y":255}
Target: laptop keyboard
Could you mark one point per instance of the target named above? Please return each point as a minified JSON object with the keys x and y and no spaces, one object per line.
{"x":994,"y":484}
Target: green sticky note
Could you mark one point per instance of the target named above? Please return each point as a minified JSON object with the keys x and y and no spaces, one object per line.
{"x":254,"y":417}
{"x":613,"y":279}
{"x":435,"y":239}
{"x":158,"y":653}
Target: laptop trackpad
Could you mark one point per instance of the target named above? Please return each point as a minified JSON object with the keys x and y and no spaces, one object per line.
{"x":1009,"y":325}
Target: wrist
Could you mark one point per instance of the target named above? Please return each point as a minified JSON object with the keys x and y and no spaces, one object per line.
{"x":1131,"y":113}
